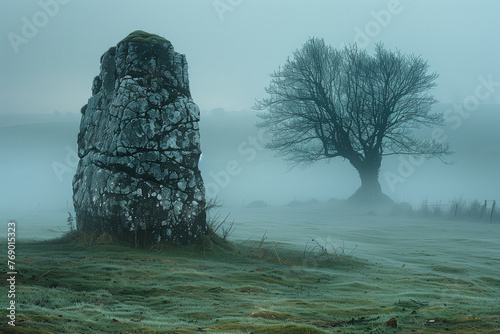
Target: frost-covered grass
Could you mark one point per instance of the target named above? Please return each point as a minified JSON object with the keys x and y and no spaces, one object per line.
{"x":316,"y":268}
{"x":67,"y":286}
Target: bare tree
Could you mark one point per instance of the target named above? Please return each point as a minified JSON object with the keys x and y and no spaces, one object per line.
{"x":326,"y":103}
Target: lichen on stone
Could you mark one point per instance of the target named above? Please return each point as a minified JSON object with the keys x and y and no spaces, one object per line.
{"x":139,"y":136}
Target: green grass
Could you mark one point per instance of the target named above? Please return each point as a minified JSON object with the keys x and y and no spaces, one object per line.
{"x":71,"y":286}
{"x":140,"y":36}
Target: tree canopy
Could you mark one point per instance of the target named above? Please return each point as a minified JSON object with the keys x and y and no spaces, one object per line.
{"x":326,"y":103}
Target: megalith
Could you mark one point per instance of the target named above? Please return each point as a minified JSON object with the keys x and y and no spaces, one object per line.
{"x":139,"y":147}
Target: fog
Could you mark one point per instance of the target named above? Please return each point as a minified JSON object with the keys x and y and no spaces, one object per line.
{"x":231,"y":48}
{"x":39,"y":160}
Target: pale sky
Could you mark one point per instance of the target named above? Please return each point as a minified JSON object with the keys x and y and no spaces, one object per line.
{"x":51,"y":48}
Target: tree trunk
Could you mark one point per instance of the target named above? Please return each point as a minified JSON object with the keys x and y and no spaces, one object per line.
{"x":370,"y":191}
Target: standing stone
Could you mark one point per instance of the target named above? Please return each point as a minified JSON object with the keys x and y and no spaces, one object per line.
{"x":139,"y":147}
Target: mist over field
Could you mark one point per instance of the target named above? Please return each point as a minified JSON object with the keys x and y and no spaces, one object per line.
{"x":39,"y":156}
{"x":287,"y":249}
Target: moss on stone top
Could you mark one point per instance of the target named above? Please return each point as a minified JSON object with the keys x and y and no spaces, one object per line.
{"x":140,"y":36}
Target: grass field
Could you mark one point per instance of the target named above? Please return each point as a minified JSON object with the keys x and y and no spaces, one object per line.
{"x":431,"y":276}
